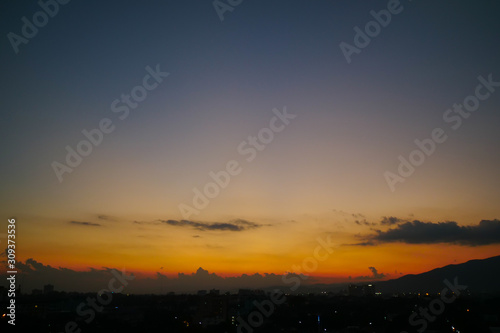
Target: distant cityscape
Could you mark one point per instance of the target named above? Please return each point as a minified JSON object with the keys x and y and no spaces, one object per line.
{"x":358,"y":308}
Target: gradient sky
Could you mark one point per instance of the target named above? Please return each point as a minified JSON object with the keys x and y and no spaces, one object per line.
{"x":323,"y":175}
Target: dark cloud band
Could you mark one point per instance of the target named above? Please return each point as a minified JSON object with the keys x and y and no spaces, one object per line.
{"x":236,"y":225}
{"x":417,"y":232}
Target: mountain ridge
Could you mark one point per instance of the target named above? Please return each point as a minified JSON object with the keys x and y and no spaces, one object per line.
{"x":480,"y":276}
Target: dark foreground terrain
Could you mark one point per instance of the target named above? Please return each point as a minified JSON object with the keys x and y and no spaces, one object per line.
{"x":254,"y":311}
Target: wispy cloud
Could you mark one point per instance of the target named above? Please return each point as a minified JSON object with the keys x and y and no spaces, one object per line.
{"x":105,"y":217}
{"x":235,"y":225}
{"x":369,"y":243}
{"x":364,"y":222}
{"x":146,"y":222}
{"x":391,"y":220}
{"x":88,"y":224}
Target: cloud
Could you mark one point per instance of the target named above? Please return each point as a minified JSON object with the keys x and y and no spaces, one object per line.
{"x":105,"y":217}
{"x":235,"y":225}
{"x":347,"y":214}
{"x":375,"y":275}
{"x":391,"y":220}
{"x":368,"y":243}
{"x":36,"y":275}
{"x":364,"y":222}
{"x":88,"y":224}
{"x":146,"y":222}
{"x":417,"y":232}
{"x":203,"y":279}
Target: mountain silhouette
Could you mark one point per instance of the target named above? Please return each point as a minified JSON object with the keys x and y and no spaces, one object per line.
{"x":480,"y":276}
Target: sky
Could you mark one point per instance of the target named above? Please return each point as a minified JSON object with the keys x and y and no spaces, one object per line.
{"x":231,"y":137}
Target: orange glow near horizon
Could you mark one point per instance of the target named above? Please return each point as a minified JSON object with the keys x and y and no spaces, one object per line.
{"x":258,"y":251}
